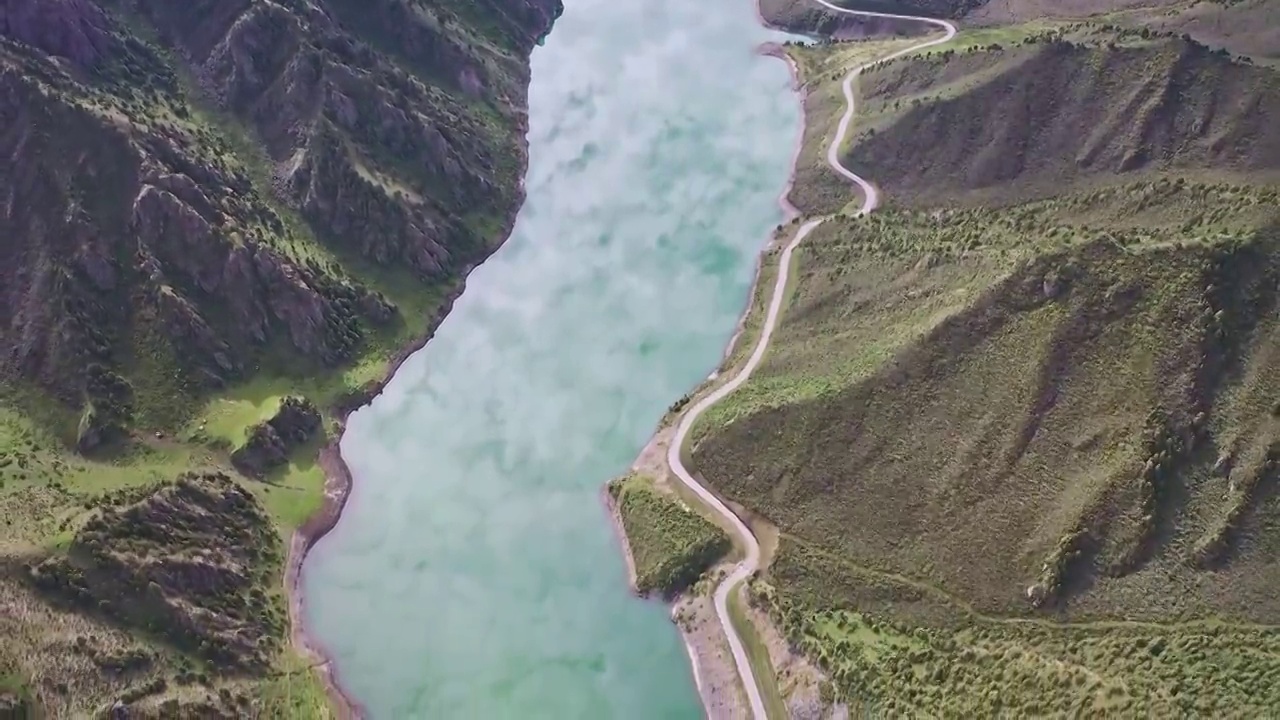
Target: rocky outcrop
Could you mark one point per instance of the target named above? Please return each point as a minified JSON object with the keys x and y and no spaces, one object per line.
{"x":143,"y":230}
{"x":271,"y":443}
{"x":262,"y":288}
{"x":343,"y":93}
{"x":182,"y":562}
{"x":108,"y":411}
{"x":362,"y":217}
{"x":124,"y":237}
{"x":76,"y":30}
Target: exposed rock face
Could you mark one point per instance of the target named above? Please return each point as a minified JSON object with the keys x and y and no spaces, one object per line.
{"x":270,"y":443}
{"x":108,"y":412}
{"x":341,"y":117}
{"x":152,"y":249}
{"x":139,"y":231}
{"x":71,"y":29}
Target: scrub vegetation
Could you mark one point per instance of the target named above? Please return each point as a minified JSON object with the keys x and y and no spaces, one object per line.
{"x":1018,"y":431}
{"x":671,"y":544}
{"x":224,"y":221}
{"x":974,"y":666}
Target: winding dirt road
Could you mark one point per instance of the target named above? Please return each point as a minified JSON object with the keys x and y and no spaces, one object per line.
{"x":871,"y":199}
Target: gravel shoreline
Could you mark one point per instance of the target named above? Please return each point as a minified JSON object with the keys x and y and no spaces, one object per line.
{"x":624,"y":543}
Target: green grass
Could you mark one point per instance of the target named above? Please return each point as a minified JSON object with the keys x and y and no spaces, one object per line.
{"x":979,"y":38}
{"x":758,"y":655}
{"x":43,"y":486}
{"x":752,"y":319}
{"x":230,"y":416}
{"x":876,"y":264}
{"x":294,"y":691}
{"x":296,"y":492}
{"x":162,"y":397}
{"x":960,"y":664}
{"x":47,"y":490}
{"x":143,"y":105}
{"x":671,"y":544}
{"x":955,"y":401}
{"x":837,"y":348}
{"x":818,"y":189}
{"x":14,"y":685}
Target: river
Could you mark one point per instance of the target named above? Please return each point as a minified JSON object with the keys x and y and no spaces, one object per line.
{"x":474,"y":573}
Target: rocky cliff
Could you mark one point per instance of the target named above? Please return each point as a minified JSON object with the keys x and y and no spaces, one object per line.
{"x":198,"y":175}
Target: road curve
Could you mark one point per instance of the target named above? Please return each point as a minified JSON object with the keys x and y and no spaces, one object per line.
{"x":871,"y":199}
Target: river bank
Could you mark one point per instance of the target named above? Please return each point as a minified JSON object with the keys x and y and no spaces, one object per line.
{"x":758,"y":648}
{"x":464,"y":557}
{"x":693,"y":611}
{"x":338,"y":484}
{"x":776,"y":50}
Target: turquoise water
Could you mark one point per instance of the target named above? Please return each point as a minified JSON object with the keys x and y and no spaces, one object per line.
{"x":474,"y":573}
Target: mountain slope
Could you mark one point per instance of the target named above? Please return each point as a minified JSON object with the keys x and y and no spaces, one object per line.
{"x":1114,"y":110}
{"x":1031,"y":414}
{"x":1017,"y":430}
{"x":150,"y":199}
{"x":215,"y":218}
